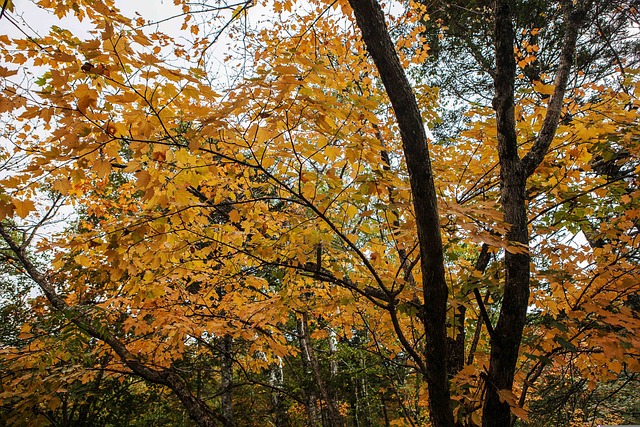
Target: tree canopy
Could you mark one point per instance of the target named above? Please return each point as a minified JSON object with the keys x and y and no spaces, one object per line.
{"x":416,"y":213}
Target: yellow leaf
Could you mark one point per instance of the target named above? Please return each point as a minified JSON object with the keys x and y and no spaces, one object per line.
{"x":194,"y":145}
{"x":268,"y":162}
{"x":143,"y":178}
{"x":23,"y":207}
{"x":236,"y":11}
{"x":544,"y":89}
{"x":516,"y":248}
{"x":141,"y":38}
{"x":102,"y":168}
{"x":507,"y":396}
{"x":84,"y":103}
{"x":326,"y":124}
{"x":520,"y":413}
{"x":285,"y":69}
{"x":309,"y":190}
{"x":132,"y":166}
{"x":183,"y":157}
{"x":82,"y":260}
{"x":332,"y":152}
{"x":351,"y":211}
{"x":5,"y":72}
{"x":234,"y":216}
{"x":63,"y":186}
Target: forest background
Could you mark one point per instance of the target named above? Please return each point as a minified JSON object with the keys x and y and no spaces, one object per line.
{"x":275,"y":240}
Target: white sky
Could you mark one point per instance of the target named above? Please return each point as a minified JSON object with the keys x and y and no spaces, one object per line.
{"x":30,"y":15}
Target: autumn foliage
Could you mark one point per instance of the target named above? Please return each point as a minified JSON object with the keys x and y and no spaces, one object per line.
{"x":250,"y":251}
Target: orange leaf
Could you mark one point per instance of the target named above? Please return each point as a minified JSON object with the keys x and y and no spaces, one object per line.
{"x":24,"y":207}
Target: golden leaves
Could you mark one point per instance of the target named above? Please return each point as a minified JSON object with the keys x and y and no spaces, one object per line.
{"x":62,"y":185}
{"x":507,"y":396}
{"x":210,"y":212}
{"x":23,"y":207}
{"x":102,"y":168}
{"x":5,"y":72}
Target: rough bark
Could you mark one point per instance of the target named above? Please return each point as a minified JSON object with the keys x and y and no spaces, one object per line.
{"x":508,"y":332}
{"x":370,"y":19}
{"x":514,"y":172}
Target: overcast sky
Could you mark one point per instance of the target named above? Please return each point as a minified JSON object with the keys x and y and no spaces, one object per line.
{"x":32,"y":19}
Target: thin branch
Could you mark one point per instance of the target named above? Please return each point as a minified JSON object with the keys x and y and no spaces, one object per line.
{"x":575,"y":15}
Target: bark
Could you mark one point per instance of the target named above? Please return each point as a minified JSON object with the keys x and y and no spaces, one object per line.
{"x":514,"y":172}
{"x":311,"y":397}
{"x":505,"y":342}
{"x":370,"y":19}
{"x":199,"y":411}
{"x":335,"y":419}
{"x":227,"y":380}
{"x":367,"y":419}
{"x":333,"y":348}
{"x":456,"y":345}
{"x":276,"y":380}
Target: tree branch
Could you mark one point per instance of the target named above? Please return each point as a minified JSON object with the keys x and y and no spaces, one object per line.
{"x":574,"y":15}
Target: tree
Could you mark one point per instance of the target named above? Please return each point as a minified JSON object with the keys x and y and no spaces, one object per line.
{"x":212,"y":221}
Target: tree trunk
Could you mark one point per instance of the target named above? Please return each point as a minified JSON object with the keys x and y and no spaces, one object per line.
{"x":276,"y":380}
{"x":335,"y":419}
{"x":333,"y":348}
{"x":514,"y":171}
{"x":508,"y":332}
{"x":227,"y":380}
{"x":370,"y":19}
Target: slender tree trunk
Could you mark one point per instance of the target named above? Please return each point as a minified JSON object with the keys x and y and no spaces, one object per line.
{"x":276,"y":380}
{"x":370,"y":19}
{"x":477,"y":331}
{"x":333,"y":348}
{"x":227,"y":380}
{"x":310,"y":393}
{"x":366,"y":409}
{"x":335,"y":419}
{"x":356,"y":406}
{"x":457,"y":345}
{"x":387,"y":423}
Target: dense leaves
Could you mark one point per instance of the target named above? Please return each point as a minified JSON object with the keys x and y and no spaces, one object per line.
{"x":256,"y":251}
